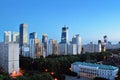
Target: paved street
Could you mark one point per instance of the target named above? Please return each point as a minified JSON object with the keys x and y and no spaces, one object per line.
{"x":75,"y":78}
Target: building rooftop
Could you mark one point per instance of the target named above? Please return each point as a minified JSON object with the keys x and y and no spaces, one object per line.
{"x":100,"y":66}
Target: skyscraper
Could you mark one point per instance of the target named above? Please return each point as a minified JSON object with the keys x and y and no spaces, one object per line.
{"x":34,"y":45}
{"x":45,"y":40}
{"x":7,"y":36}
{"x":45,"y":44}
{"x":51,"y":47}
{"x":33,"y":35}
{"x":77,"y":40}
{"x":64,"y":35}
{"x":15,"y":37}
{"x":99,"y":45}
{"x":105,"y":39}
{"x":23,"y":34}
{"x":104,"y":44}
{"x":9,"y":56}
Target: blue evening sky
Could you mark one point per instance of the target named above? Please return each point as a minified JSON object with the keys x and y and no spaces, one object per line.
{"x":92,"y":19}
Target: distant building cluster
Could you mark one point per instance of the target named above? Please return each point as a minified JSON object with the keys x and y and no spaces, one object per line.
{"x":112,"y":46}
{"x":29,"y":45}
{"x":36,"y":48}
{"x":18,"y":43}
{"x":100,"y":47}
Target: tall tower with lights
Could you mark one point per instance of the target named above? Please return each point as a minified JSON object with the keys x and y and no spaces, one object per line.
{"x":64,"y":35}
{"x":105,"y":39}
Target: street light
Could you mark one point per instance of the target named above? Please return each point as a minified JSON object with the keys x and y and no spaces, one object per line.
{"x":46,"y":70}
{"x":70,"y":69}
{"x":52,"y":73}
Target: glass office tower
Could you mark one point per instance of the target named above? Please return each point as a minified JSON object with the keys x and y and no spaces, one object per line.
{"x":64,"y":35}
{"x":23,"y":34}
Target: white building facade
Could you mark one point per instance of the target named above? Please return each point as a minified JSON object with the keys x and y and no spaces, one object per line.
{"x":26,"y":50}
{"x":56,"y":49}
{"x":113,"y":46}
{"x":50,"y":47}
{"x":9,"y":55}
{"x":91,"y":71}
{"x":7,"y":36}
{"x":72,"y":49}
{"x":63,"y":49}
{"x":11,"y":37}
{"x":77,"y":40}
{"x":15,"y":37}
{"x":34,"y":48}
{"x":91,"y":48}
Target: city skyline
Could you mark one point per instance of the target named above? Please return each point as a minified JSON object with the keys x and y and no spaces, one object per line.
{"x":92,"y":19}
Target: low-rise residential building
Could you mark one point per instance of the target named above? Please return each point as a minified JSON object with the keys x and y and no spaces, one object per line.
{"x":91,"y":71}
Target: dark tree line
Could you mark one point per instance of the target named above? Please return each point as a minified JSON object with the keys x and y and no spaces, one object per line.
{"x":59,"y":64}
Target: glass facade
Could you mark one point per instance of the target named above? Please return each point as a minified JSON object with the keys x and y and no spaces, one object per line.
{"x":23,"y":34}
{"x":64,"y":36}
{"x":45,"y":40}
{"x":32,"y":35}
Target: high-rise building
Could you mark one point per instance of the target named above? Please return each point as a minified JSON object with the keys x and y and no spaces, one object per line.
{"x":23,"y":34}
{"x":15,"y":37}
{"x":34,"y":45}
{"x":45,"y":44}
{"x":7,"y":36}
{"x":52,"y":47}
{"x":11,"y":37}
{"x":25,"y":50}
{"x":56,"y":49}
{"x":99,"y":46}
{"x":91,"y":47}
{"x":105,"y":39}
{"x":45,"y":40}
{"x":64,"y":35}
{"x":34,"y":48}
{"x":72,"y":49}
{"x":9,"y":56}
{"x":33,"y":35}
{"x":42,"y":50}
{"x":77,"y":40}
{"x":63,"y":48}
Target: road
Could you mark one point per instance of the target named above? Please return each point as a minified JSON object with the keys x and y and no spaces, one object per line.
{"x":75,"y":78}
